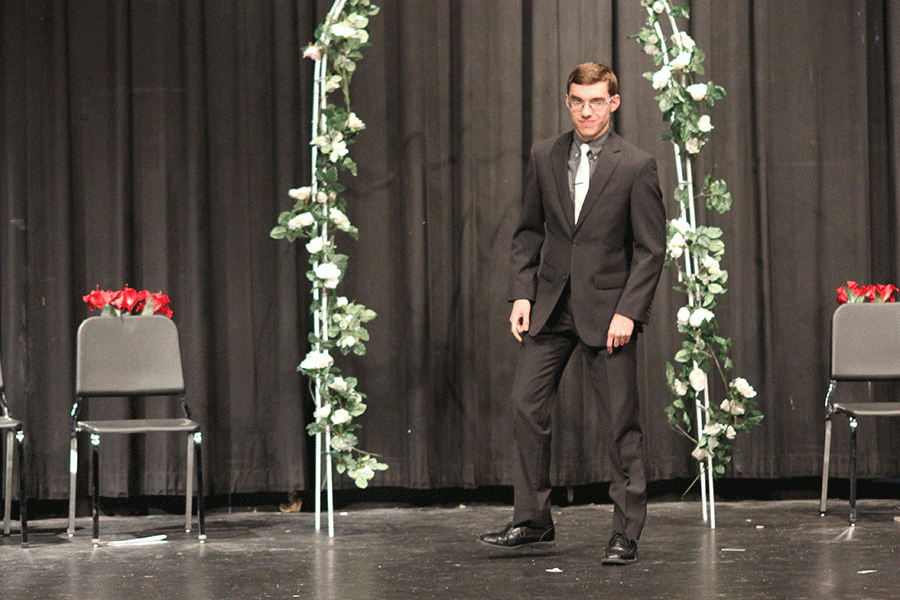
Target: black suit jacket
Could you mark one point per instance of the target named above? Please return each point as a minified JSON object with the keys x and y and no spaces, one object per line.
{"x":612,"y":257}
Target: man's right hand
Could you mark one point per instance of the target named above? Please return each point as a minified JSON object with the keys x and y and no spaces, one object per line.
{"x":520,"y":317}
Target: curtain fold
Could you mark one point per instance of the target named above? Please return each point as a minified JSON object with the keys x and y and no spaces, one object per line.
{"x":152,"y":143}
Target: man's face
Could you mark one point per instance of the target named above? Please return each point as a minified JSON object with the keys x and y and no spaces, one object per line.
{"x":591,"y":108}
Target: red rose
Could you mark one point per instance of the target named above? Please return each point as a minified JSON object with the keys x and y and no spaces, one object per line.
{"x":841,"y":295}
{"x":885,"y":292}
{"x":868,"y":292}
{"x":128,"y":301}
{"x":99,"y":298}
{"x":161,"y":304}
{"x":142,"y":298}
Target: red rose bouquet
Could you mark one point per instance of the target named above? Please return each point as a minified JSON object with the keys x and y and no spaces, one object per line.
{"x":852,"y":292}
{"x":128,"y":301}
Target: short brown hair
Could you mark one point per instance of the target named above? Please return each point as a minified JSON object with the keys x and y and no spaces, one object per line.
{"x":590,"y":73}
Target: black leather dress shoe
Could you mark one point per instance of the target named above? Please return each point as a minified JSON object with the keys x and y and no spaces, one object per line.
{"x":516,"y":537}
{"x":620,"y":550}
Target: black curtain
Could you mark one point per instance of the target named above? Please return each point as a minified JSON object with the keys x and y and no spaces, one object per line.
{"x":152,"y":143}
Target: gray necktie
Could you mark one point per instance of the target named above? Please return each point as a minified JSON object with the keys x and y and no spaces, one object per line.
{"x":582,"y":179}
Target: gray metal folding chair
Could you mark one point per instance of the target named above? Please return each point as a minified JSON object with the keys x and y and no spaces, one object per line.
{"x":131,"y":356}
{"x":865,"y":346}
{"x":13,"y":431}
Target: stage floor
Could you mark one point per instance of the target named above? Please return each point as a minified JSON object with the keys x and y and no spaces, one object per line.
{"x":760,"y":549}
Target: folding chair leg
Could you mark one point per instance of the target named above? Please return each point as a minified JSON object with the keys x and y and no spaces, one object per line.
{"x":201,"y":504}
{"x":852,"y":471}
{"x":7,"y":482}
{"x":189,"y":485}
{"x":23,"y":498}
{"x":95,"y":478}
{"x":73,"y":478}
{"x":826,"y":466}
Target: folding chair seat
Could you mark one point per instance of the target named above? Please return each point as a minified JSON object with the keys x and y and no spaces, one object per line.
{"x":131,"y":357}
{"x":13,"y":431}
{"x":865,"y":346}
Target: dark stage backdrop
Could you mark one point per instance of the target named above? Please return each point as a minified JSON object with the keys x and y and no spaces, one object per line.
{"x":152,"y":143}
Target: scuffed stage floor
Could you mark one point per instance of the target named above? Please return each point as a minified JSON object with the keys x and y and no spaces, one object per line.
{"x":771,"y":550}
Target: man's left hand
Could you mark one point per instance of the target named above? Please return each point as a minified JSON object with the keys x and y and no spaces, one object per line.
{"x":620,"y":330}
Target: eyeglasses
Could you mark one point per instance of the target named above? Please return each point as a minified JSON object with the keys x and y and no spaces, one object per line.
{"x":576,"y":104}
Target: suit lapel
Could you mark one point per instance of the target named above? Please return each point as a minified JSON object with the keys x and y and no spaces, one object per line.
{"x":559,"y":159}
{"x":606,"y":164}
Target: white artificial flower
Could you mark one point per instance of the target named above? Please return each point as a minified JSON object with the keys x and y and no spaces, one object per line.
{"x":365,"y":472}
{"x":315,"y":245}
{"x":312,"y":51}
{"x":340,"y":416}
{"x":699,"y":316}
{"x":701,"y":454}
{"x":732,"y":408}
{"x":329,"y":274}
{"x":712,"y":428}
{"x":339,"y":444}
{"x":681,"y":61}
{"x":697,"y":91}
{"x":744,"y":389}
{"x":650,"y":49}
{"x":704,"y":124}
{"x":320,"y":141}
{"x":316,"y":360}
{"x":322,"y":197}
{"x":339,"y":384}
{"x":301,"y":193}
{"x":341,"y":302}
{"x":730,"y":432}
{"x":339,"y":219}
{"x":682,"y":225}
{"x":697,"y":379}
{"x":322,"y":412}
{"x":302,"y":220}
{"x":687,"y":42}
{"x":676,"y":245}
{"x":681,"y":387}
{"x":355,"y":123}
{"x":693,"y":145}
{"x":338,"y":150}
{"x":658,"y":7}
{"x":683,"y":316}
{"x":347,"y":342}
{"x":342,"y":30}
{"x":711,"y":265}
{"x":662,"y":78}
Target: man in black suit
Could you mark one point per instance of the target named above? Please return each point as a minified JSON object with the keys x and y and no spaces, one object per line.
{"x":586,"y":258}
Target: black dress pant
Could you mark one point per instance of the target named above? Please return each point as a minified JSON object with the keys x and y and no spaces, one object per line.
{"x":541,"y":362}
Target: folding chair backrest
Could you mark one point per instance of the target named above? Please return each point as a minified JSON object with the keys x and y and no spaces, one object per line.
{"x":128,"y":355}
{"x":865,"y":341}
